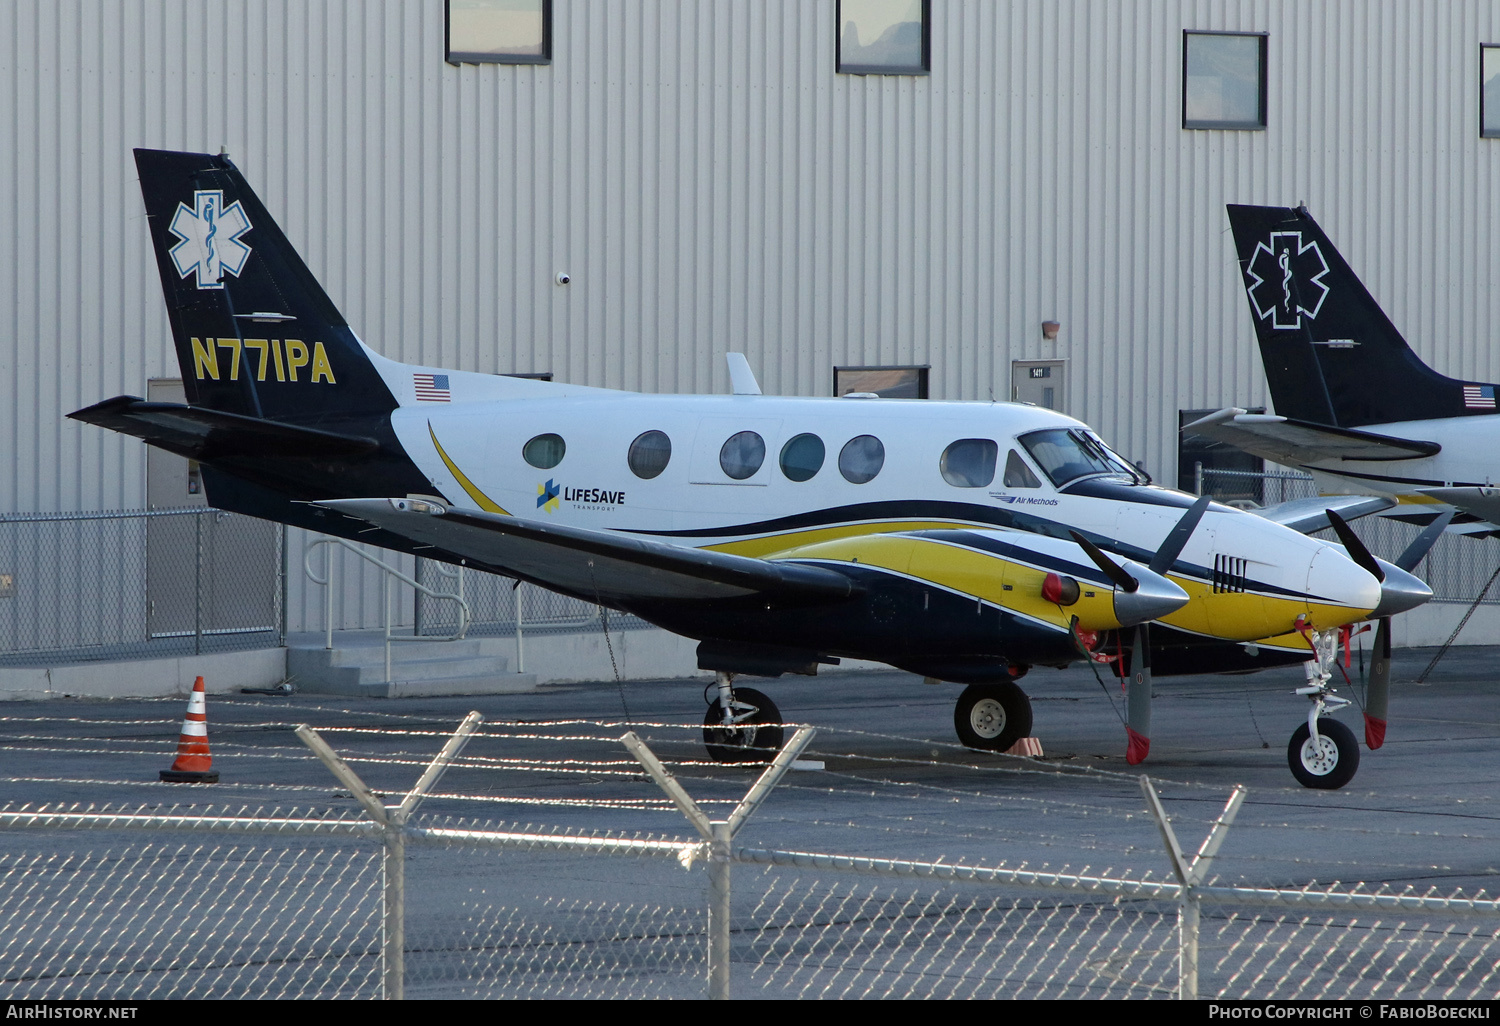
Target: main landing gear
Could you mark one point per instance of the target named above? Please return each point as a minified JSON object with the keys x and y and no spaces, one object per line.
{"x":992,"y":717}
{"x":1323,"y":753}
{"x":741,"y":725}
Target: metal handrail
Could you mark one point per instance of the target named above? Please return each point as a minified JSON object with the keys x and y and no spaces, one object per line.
{"x":464,"y":614}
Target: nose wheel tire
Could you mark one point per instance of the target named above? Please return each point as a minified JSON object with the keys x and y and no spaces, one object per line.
{"x":756,"y":735}
{"x":1328,"y":763}
{"x":992,"y":717}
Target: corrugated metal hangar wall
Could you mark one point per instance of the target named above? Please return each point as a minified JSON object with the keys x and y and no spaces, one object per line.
{"x":712,"y":184}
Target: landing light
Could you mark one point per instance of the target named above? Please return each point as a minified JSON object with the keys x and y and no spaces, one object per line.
{"x":417,"y":506}
{"x":1059,"y":589}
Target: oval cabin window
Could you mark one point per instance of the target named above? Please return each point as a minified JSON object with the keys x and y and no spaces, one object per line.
{"x":861,"y":459}
{"x":649,"y":454}
{"x":742,"y":455}
{"x":802,"y":457}
{"x":545,"y":451}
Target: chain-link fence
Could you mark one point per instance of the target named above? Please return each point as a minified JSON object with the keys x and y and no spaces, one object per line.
{"x":133,"y":584}
{"x":1457,"y":568}
{"x":198,"y":902}
{"x":298,"y":907}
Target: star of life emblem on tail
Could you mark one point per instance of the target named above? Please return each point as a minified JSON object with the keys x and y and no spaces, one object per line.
{"x":1285,"y":280}
{"x":209,"y":235}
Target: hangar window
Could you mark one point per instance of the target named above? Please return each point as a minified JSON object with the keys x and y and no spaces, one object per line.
{"x":545,"y":451}
{"x":802,"y":457}
{"x":499,"y":31}
{"x":1489,"y":91}
{"x":649,"y":454}
{"x":884,"y":37}
{"x":969,"y":462}
{"x":886,"y":382}
{"x":742,"y":455}
{"x":1224,"y":80}
{"x":861,"y":459}
{"x":1018,"y":474}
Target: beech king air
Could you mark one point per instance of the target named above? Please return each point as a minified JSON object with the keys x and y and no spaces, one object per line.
{"x":965,"y":542}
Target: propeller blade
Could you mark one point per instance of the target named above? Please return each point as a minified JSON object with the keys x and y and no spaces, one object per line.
{"x":1114,"y":571}
{"x":1354,"y":546}
{"x":1378,"y":698}
{"x":1171,"y":548}
{"x":1424,"y":542}
{"x":1138,"y":699}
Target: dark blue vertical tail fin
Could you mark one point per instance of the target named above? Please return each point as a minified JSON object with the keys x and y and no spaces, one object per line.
{"x":1330,"y":353}
{"x":255,"y":333}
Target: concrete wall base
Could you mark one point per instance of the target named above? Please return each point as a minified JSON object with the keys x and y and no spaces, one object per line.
{"x":222,"y":672}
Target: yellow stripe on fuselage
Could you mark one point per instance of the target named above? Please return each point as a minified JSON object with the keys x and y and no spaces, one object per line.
{"x":983,"y":576}
{"x":778,"y":545}
{"x":481,"y":500}
{"x":1249,"y":615}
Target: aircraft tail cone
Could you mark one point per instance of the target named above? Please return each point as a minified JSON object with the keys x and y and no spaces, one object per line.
{"x":1137,"y":747}
{"x":194,"y":765}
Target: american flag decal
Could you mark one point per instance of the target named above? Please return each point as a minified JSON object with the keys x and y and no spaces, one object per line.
{"x":1479,"y":397}
{"x":433,"y":388}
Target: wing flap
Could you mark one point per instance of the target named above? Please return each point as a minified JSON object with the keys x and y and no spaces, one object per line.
{"x":1295,"y":443}
{"x":616,"y":568}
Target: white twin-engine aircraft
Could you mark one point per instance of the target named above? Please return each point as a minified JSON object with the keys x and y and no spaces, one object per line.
{"x":964,"y":542}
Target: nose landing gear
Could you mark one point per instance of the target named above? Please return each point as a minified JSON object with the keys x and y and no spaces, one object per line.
{"x":1322,"y":753}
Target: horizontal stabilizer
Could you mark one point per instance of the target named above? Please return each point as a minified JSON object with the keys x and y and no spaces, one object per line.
{"x":603,"y":565}
{"x":203,"y":434}
{"x":1296,"y":443}
{"x":1309,"y":515}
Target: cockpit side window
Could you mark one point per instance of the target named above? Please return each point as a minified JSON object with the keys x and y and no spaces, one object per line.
{"x":1018,"y":474}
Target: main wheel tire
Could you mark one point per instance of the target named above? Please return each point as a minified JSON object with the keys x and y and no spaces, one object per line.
{"x":992,"y":717}
{"x":1330,"y":763}
{"x":756,"y":738}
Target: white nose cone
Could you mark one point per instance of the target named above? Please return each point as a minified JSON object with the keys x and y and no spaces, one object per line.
{"x":1340,"y":590}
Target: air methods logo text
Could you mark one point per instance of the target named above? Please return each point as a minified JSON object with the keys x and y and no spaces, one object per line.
{"x":1285,"y":280}
{"x":209,"y":235}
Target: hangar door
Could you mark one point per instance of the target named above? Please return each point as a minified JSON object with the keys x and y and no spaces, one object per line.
{"x":1041,"y":383}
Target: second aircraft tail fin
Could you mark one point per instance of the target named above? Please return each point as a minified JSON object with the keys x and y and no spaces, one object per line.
{"x":1330,"y":353}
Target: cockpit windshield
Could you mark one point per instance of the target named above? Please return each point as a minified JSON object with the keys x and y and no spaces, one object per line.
{"x":1066,"y":455}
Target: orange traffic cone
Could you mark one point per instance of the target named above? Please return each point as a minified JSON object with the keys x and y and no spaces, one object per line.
{"x":194,"y":764}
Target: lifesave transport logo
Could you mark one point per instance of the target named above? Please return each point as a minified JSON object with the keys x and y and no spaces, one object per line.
{"x":551,"y":495}
{"x":209,"y":237}
{"x":546,"y":496}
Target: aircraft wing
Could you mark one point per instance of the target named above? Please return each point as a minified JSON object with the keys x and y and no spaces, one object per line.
{"x":1295,"y":442}
{"x":603,"y":565}
{"x":1309,"y":515}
